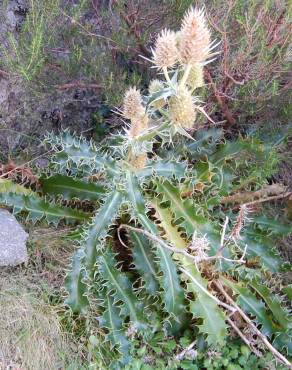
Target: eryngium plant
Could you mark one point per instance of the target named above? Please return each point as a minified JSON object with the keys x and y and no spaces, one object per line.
{"x":161,"y":252}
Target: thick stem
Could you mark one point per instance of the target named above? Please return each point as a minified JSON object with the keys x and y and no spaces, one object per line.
{"x":185,"y":75}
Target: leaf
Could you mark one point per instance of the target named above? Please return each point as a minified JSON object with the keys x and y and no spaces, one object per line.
{"x":252,"y":305}
{"x":70,"y":188}
{"x":262,"y":247}
{"x":173,"y":294}
{"x":112,"y":321}
{"x":38,"y":208}
{"x":206,"y":308}
{"x":183,"y":209}
{"x":8,"y":186}
{"x":75,"y":286}
{"x":120,"y":285}
{"x":274,"y":304}
{"x":166,"y":169}
{"x":100,"y":224}
{"x":143,"y":259}
{"x":273,"y":226}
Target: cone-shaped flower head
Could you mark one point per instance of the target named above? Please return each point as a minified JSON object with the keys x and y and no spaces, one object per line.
{"x":138,"y":125}
{"x":196,"y":77}
{"x":182,"y":109}
{"x":132,"y":106}
{"x":194,"y":38}
{"x":139,"y":161}
{"x":165,"y":53}
{"x":154,"y":87}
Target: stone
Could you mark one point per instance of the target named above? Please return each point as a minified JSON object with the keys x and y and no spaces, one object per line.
{"x":12,"y":241}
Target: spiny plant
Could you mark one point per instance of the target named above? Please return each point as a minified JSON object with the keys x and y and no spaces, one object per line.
{"x":164,"y":252}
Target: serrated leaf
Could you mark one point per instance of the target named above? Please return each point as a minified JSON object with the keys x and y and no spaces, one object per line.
{"x":75,"y":286}
{"x":206,"y":308}
{"x":8,"y":186}
{"x":100,"y":225}
{"x":252,"y":305}
{"x":38,"y":208}
{"x":70,"y":188}
{"x":143,"y":260}
{"x":184,"y":209}
{"x":271,"y":225}
{"x":111,"y":320}
{"x":274,"y":304}
{"x":121,"y":286}
{"x":166,"y":169}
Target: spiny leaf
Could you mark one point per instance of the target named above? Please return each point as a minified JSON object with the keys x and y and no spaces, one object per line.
{"x":8,"y":186}
{"x":252,"y":305}
{"x":37,"y":208}
{"x":166,"y":169}
{"x":143,"y":259}
{"x":100,"y":225}
{"x":121,"y":286}
{"x":70,"y":188}
{"x":111,"y":320}
{"x":206,"y":308}
{"x":75,"y":286}
{"x":273,"y":226}
{"x":183,"y":209}
{"x":274,"y":304}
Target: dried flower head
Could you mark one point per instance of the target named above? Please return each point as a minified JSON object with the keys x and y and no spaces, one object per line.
{"x":199,"y":247}
{"x":182,"y":109}
{"x":132,"y":106}
{"x":196,"y":77}
{"x":138,"y":125}
{"x":138,"y":161}
{"x":194,"y":39}
{"x":165,"y":53}
{"x":154,"y":87}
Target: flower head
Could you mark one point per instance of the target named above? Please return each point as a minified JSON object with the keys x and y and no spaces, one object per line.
{"x":138,"y":125}
{"x":196,"y":77}
{"x":165,"y":53}
{"x":182,"y":109}
{"x":132,"y":106}
{"x":194,"y":39}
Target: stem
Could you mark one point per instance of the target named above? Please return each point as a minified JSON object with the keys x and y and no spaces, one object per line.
{"x":149,"y":135}
{"x":166,"y":75}
{"x":186,"y":75}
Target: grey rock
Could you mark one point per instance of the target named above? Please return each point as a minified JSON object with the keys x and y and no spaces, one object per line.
{"x":12,"y":241}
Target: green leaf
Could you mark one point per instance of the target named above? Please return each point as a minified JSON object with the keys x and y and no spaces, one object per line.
{"x":274,"y":304}
{"x":206,"y":308}
{"x":75,"y":286}
{"x":8,"y":186}
{"x":183,"y":209}
{"x":100,"y":225}
{"x":143,"y":259}
{"x":252,"y":305}
{"x":38,"y":208}
{"x":112,"y":321}
{"x":166,"y":169}
{"x":271,"y":225}
{"x":70,"y":188}
{"x":121,"y":287}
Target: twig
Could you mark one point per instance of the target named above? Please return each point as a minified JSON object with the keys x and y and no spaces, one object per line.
{"x":182,"y":354}
{"x":226,"y":112}
{"x":72,"y":85}
{"x":276,"y":353}
{"x":243,"y":337}
{"x":25,"y":164}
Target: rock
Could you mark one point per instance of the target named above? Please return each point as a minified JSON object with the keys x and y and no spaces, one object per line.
{"x":12,"y":240}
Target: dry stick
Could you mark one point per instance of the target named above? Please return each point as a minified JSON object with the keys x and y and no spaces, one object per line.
{"x":276,"y":354}
{"x":182,"y":354}
{"x":243,"y":337}
{"x":25,"y":164}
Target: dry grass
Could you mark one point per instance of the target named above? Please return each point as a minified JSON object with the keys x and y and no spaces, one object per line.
{"x":31,"y":334}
